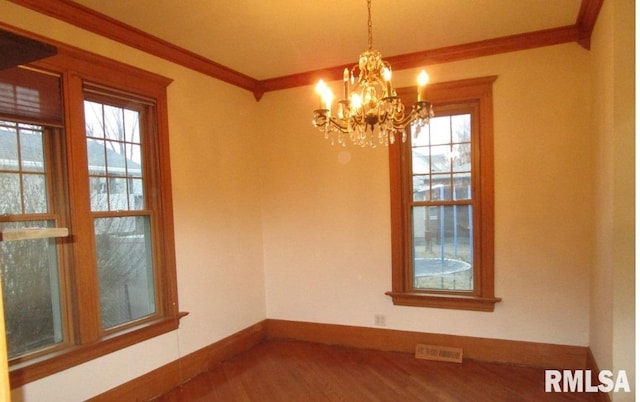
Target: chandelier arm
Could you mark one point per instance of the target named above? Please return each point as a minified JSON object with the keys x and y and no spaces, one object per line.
{"x":416,"y":114}
{"x":403,"y":122}
{"x":359,"y":117}
{"x":336,"y":125}
{"x":357,"y":120}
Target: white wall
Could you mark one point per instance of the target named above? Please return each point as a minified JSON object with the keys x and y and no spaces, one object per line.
{"x":326,"y":209}
{"x":613,"y":278}
{"x":215,"y":159}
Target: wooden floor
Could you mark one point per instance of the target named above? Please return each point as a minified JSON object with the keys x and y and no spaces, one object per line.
{"x":297,"y":371}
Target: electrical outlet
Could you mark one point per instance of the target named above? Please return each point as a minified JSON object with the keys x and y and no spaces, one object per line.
{"x":380,"y":320}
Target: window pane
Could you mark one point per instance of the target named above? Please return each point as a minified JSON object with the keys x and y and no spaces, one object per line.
{"x":95,"y":155}
{"x":446,"y":166}
{"x":10,"y":196}
{"x":420,"y":136}
{"x":461,"y":127}
{"x":132,"y":126}
{"x":134,"y":160}
{"x":118,"y":199}
{"x":440,"y":130}
{"x":34,"y":187}
{"x":420,"y":159}
{"x":461,"y":157}
{"x":441,"y":187}
{"x":9,"y":148}
{"x":93,"y":119}
{"x":421,"y":188}
{"x":443,"y":247}
{"x":31,"y":293}
{"x":23,"y":181}
{"x":462,"y":186}
{"x":99,"y":195}
{"x":440,"y":158}
{"x":125,"y":269}
{"x":116,"y":160}
{"x":113,"y":123}
{"x":31,"y":149}
{"x":136,"y":199}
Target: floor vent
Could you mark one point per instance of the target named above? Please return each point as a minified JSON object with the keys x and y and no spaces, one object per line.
{"x":439,"y":353}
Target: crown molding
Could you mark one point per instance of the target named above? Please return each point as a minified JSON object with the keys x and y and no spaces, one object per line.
{"x":587,"y":16}
{"x":448,"y":54}
{"x":86,"y":18}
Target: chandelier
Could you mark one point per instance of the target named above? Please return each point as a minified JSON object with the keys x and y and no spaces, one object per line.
{"x":370,"y":111}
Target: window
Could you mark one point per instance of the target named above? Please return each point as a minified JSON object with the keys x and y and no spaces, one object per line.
{"x":29,"y":268}
{"x":442,"y":203}
{"x":85,"y":212}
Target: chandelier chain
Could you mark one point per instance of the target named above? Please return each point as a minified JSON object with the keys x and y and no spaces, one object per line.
{"x":370,"y":25}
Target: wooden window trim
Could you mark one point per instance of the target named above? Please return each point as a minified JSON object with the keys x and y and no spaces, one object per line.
{"x":88,"y":341}
{"x":402,"y":293}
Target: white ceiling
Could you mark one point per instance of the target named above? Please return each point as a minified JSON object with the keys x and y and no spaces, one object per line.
{"x":274,"y":38}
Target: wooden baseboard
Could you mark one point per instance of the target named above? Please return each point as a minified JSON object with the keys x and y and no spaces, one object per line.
{"x":169,"y":376}
{"x":484,"y":349}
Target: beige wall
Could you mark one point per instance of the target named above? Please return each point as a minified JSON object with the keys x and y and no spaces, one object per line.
{"x":613,"y":277}
{"x":326,"y":209}
{"x":271,"y":221}
{"x":215,"y":159}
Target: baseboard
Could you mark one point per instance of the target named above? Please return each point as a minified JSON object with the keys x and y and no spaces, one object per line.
{"x":484,"y":349}
{"x":169,"y":376}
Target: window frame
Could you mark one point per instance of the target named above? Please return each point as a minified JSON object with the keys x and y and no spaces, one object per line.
{"x":146,"y":110}
{"x":87,"y":340}
{"x":482,"y":298}
{"x":57,"y":213}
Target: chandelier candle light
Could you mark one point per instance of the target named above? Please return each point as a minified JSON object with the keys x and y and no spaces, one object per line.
{"x":373,"y":112}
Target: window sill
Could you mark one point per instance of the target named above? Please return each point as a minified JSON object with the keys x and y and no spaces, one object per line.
{"x":456,"y":302}
{"x":35,"y":369}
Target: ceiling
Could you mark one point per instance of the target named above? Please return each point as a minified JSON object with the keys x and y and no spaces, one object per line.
{"x":277,"y":38}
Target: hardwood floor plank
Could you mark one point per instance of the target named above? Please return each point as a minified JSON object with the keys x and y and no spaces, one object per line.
{"x":299,"y":371}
